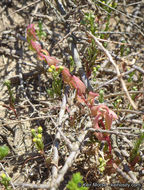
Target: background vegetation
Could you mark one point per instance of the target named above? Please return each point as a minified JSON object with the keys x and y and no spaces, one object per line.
{"x":72,"y":102}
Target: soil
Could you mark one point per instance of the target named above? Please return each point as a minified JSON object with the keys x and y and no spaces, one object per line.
{"x":69,"y":144}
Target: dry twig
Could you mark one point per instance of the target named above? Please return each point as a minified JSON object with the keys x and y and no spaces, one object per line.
{"x":116,"y":68}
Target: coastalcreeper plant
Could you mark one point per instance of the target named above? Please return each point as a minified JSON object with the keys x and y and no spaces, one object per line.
{"x":43,"y":55}
{"x":103,"y":119}
{"x":103,"y":116}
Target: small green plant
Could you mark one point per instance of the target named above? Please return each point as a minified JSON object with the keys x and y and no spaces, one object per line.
{"x":101,"y":96}
{"x":135,"y":151}
{"x":11,"y":105}
{"x":5,"y":181}
{"x":117,"y":102}
{"x":89,"y":22}
{"x":102,"y":164}
{"x":92,"y":24}
{"x":130,"y":79}
{"x":4,"y":151}
{"x":56,"y":82}
{"x":107,"y":6}
{"x":124,"y":50}
{"x":72,"y":64}
{"x":37,"y":139}
{"x":134,"y":88}
{"x":7,"y":83}
{"x":110,"y":4}
{"x":76,"y":182}
{"x":95,"y":70}
{"x":40,"y":31}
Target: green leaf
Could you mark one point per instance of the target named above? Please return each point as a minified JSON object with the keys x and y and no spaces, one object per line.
{"x":76,"y":182}
{"x":4,"y":150}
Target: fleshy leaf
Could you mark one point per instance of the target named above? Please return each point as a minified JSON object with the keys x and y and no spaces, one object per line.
{"x":91,"y":97}
{"x":99,"y":109}
{"x":42,"y":54}
{"x":96,"y":126}
{"x":103,"y":119}
{"x":80,"y":99}
{"x":66,"y":75}
{"x":51,"y":60}
{"x":109,"y":117}
{"x":35,"y":46}
{"x":94,"y":110}
{"x":31,"y":33}
{"x":78,"y":84}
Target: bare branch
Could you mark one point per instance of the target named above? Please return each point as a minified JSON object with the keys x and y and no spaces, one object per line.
{"x":116,"y":68}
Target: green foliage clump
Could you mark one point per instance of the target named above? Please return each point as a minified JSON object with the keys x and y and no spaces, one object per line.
{"x":7,"y":83}
{"x":135,"y":150}
{"x":89,"y":22}
{"x":5,"y":181}
{"x":40,"y":31}
{"x":4,"y":150}
{"x":101,"y":96}
{"x":117,"y":102}
{"x":102,"y":164}
{"x":72,"y":64}
{"x":95,"y":70}
{"x":56,"y":82}
{"x":76,"y":182}
{"x":37,"y":138}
